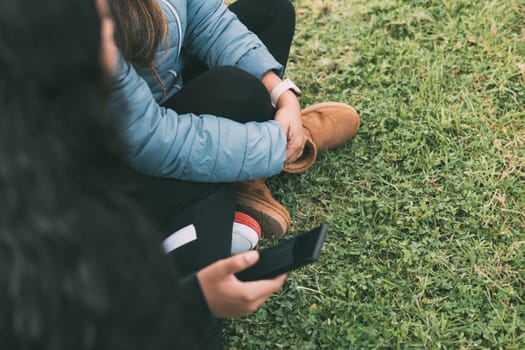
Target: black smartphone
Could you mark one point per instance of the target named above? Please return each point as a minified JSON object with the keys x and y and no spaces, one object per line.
{"x":287,"y":255}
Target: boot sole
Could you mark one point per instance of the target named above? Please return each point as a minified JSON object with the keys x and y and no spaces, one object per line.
{"x":274,"y":223}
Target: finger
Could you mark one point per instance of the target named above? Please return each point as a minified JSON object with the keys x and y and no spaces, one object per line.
{"x":238,"y":262}
{"x":289,"y":156}
{"x":280,"y":280}
{"x":258,"y":302}
{"x":263,"y":288}
{"x":296,"y":155}
{"x":299,"y":153}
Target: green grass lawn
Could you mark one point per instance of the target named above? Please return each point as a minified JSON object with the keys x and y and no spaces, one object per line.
{"x":426,"y":206}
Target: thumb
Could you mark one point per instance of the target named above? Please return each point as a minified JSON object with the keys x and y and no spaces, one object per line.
{"x":240,"y":262}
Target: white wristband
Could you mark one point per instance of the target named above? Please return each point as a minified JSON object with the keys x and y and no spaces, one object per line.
{"x":280,"y":88}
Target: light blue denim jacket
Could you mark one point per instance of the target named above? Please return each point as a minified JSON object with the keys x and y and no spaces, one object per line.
{"x":204,"y":148}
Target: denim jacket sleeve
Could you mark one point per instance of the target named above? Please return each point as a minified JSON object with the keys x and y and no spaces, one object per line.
{"x":202,"y":148}
{"x":216,"y":36}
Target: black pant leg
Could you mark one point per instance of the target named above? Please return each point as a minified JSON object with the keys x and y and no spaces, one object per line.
{"x":174,"y":204}
{"x":272,"y":20}
{"x":227,"y":92}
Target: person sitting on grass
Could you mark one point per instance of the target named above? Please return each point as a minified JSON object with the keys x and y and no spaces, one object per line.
{"x":210,"y":112}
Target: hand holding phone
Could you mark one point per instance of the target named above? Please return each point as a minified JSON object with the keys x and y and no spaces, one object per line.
{"x":225,"y":295}
{"x":287,"y":255}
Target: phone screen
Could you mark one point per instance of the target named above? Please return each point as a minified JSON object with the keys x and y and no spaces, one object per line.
{"x":287,"y":255}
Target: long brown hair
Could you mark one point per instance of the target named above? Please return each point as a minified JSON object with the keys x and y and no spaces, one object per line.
{"x":140,"y":26}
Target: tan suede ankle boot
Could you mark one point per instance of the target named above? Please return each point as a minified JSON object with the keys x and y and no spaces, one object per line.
{"x":326,"y":125}
{"x":254,"y":198}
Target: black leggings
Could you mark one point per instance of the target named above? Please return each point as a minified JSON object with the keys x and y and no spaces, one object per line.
{"x":272,"y":20}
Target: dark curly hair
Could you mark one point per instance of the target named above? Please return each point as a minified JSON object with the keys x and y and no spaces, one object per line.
{"x":80,"y":265}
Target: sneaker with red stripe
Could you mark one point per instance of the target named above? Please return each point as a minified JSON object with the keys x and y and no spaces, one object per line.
{"x":246,"y":233}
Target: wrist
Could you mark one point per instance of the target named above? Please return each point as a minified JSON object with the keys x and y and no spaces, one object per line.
{"x":288,"y":100}
{"x":281,"y":89}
